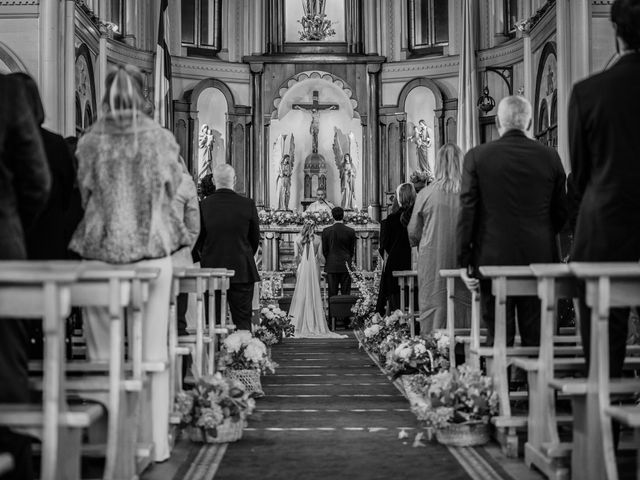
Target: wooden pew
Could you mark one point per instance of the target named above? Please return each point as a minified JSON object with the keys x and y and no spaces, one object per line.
{"x":128,"y":448}
{"x":37,"y":290}
{"x":543,"y":448}
{"x":408,"y":282}
{"x":593,"y":455}
{"x":510,"y":281}
{"x":219,"y":281}
{"x":453,"y":278}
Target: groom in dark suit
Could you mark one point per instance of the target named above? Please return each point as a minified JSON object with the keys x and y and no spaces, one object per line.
{"x":338,"y":248}
{"x":229,"y":238}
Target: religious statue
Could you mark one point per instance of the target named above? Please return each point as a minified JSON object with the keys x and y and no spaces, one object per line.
{"x":205,"y":142}
{"x":345,"y":149}
{"x":285,"y":170}
{"x":315,"y":108}
{"x":422,"y":139}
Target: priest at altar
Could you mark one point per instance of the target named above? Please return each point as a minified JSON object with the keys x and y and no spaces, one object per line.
{"x":321,"y":203}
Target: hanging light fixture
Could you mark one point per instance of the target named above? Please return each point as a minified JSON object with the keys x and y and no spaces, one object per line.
{"x":486,"y":103}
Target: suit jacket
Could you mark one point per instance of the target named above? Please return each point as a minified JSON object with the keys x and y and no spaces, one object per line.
{"x":230,"y":234}
{"x":338,"y":247}
{"x":513,"y":203}
{"x":604,"y":142}
{"x":394,"y":242}
{"x":25,"y":180}
{"x":48,"y":240}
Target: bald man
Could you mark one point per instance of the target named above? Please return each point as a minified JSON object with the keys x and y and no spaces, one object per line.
{"x":513,"y":203}
{"x":229,"y":238}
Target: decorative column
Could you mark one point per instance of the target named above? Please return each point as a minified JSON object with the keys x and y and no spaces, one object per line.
{"x":563,"y":34}
{"x":50,"y":64}
{"x":373,"y":174}
{"x":70,"y":69}
{"x":527,"y":63}
{"x":257,"y":161}
{"x":270,"y":250}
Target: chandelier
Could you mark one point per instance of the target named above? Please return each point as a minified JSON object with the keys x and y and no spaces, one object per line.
{"x":315,"y":24}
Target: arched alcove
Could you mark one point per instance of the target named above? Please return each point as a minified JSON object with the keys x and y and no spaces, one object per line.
{"x":9,"y":61}
{"x":287,"y":120}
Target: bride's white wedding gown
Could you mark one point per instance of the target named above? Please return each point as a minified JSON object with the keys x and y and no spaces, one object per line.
{"x":306,"y":305}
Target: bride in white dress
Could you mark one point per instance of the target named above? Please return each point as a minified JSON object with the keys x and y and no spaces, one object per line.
{"x":306,"y":305}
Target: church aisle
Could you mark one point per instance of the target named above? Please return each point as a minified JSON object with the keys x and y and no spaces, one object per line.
{"x":330,"y":414}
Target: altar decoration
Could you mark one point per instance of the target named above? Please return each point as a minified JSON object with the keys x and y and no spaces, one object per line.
{"x":215,"y":410}
{"x":284,"y":218}
{"x":244,"y":358}
{"x":315,"y":24}
{"x":276,"y":321}
{"x":271,"y":285}
{"x":458,"y":405}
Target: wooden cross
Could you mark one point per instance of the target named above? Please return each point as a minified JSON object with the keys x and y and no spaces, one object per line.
{"x":314,"y":108}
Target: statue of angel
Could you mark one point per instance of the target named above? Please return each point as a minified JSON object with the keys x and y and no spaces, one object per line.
{"x":285,"y":170}
{"x":422,"y":139}
{"x":205,"y":142}
{"x":345,"y":149}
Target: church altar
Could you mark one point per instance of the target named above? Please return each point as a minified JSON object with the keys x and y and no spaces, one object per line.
{"x":278,"y":251}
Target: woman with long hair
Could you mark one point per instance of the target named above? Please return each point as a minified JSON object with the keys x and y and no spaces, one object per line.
{"x":395,"y":248}
{"x":128,"y":175}
{"x":433,"y":230}
{"x":306,"y":309}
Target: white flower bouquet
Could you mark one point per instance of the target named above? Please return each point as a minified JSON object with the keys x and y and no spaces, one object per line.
{"x":410,"y":357}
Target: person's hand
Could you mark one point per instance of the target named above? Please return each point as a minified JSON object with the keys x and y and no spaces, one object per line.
{"x":471,"y":283}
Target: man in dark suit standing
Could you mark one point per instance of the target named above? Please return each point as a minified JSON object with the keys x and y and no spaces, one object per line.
{"x":604,"y":121}
{"x":338,"y":248}
{"x":513,"y":203}
{"x":230,"y":236}
{"x":25,"y":182}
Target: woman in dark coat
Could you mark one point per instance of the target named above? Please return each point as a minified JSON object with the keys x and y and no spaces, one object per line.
{"x":395,"y":248}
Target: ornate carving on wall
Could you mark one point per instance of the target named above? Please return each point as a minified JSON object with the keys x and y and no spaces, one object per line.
{"x":327,"y":77}
{"x":545,"y":107}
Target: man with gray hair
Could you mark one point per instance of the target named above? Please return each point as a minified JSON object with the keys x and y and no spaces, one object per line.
{"x":229,"y":238}
{"x":513,"y":203}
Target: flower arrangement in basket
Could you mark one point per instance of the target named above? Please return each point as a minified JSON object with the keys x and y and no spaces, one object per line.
{"x":215,"y":410}
{"x":459,"y":404}
{"x":411,"y":356}
{"x":276,"y":321}
{"x":244,"y":358}
{"x":438,"y":343}
{"x":377,"y":329}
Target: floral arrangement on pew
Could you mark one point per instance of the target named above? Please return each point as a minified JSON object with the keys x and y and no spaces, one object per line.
{"x":367,"y":284}
{"x":277,"y":321}
{"x":215,"y":411}
{"x":458,"y":405}
{"x":244,"y":358}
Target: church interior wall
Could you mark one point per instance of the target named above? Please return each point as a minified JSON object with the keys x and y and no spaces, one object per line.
{"x":24,"y":47}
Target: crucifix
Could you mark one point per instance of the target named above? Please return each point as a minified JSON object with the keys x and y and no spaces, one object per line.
{"x":314,"y":108}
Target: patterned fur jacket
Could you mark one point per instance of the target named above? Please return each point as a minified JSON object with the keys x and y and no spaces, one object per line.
{"x":128,"y":174}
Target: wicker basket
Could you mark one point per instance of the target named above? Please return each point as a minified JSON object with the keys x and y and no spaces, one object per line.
{"x":228,"y":431}
{"x":250,"y":378}
{"x":466,"y":434}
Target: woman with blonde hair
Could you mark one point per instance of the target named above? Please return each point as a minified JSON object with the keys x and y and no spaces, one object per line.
{"x":395,"y":248}
{"x":128,"y":176}
{"x":433,"y":230}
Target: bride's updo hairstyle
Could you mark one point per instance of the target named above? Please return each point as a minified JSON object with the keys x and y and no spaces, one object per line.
{"x":308,"y":231}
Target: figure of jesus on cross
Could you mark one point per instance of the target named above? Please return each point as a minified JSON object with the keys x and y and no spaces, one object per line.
{"x":315,"y":108}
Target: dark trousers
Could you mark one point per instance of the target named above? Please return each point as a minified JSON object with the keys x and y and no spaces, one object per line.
{"x":528,"y":313}
{"x":339,"y":281}
{"x":240,"y":297}
{"x":181,"y":306}
{"x":14,"y":388}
